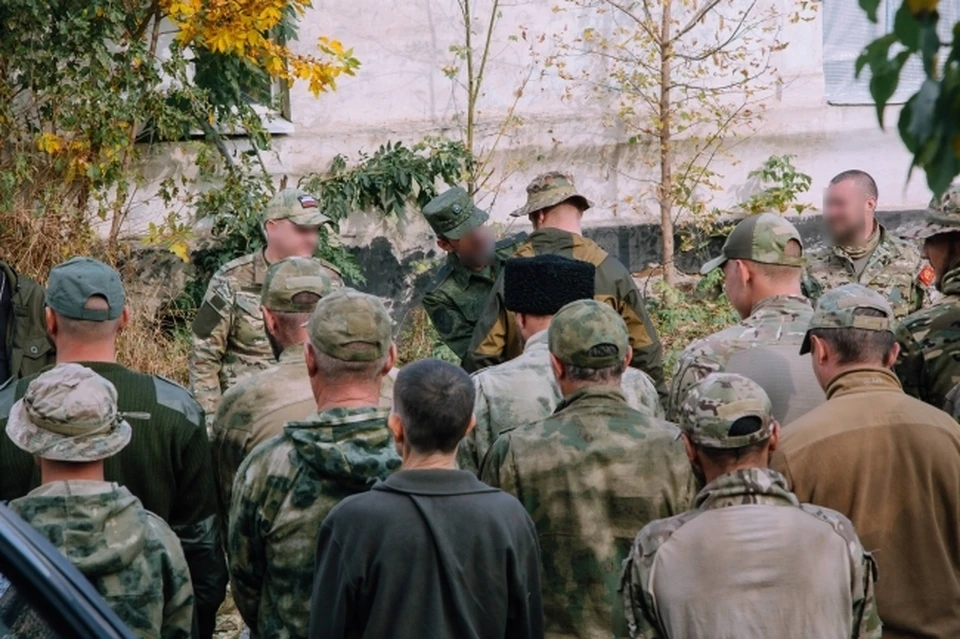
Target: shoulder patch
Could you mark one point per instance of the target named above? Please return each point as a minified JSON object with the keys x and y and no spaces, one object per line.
{"x":926,"y":275}
{"x":177,"y":398}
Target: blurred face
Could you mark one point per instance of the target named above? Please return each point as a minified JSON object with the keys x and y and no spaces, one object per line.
{"x":474,"y":250}
{"x":286,"y":239}
{"x":736,"y":287}
{"x":846,"y":208}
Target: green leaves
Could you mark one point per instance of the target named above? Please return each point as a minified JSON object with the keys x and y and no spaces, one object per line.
{"x":870,"y":6}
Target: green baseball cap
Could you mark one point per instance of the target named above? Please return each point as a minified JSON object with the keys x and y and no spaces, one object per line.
{"x":295,"y":205}
{"x":75,"y":281}
{"x":70,"y":414}
{"x":452,"y":214}
{"x":351,"y":326}
{"x":716,"y":403}
{"x":582,"y":325}
{"x":759,"y":238}
{"x":837,"y":309}
{"x":943,"y":216}
{"x":549,"y":189}
{"x":290,"y":277}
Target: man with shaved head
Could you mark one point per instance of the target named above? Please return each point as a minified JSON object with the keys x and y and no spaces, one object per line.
{"x":859,"y":250}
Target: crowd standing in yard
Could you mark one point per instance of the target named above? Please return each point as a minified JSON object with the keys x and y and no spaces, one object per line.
{"x":806,"y":485}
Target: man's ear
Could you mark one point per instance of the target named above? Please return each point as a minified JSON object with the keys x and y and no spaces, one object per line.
{"x":818,"y":350}
{"x":311,"y":359}
{"x":628,"y":358}
{"x":521,"y":320}
{"x":444,"y":245}
{"x":391,"y":359}
{"x":395,"y":424}
{"x":471,"y":425}
{"x":269,"y":320}
{"x":891,"y":358}
{"x":557,"y":366}
{"x":125,"y":315}
{"x":50,"y":319}
{"x":871,"y":204}
{"x":774,"y":440}
{"x":690,"y":448}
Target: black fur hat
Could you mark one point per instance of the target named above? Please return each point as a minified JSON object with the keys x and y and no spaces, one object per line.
{"x":544,"y":284}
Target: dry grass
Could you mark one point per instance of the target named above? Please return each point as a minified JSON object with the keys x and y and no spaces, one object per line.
{"x":418,"y":339}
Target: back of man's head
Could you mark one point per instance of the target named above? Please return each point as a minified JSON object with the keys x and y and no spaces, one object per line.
{"x":861,"y":178}
{"x":87,"y":298}
{"x":292,"y":288}
{"x":434,"y":401}
{"x":589,"y":345}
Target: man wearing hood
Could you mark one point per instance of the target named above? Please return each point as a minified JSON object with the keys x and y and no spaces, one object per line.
{"x":287,"y":485}
{"x":68,"y":420}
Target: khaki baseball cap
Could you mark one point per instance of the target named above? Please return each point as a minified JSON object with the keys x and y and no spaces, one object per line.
{"x":716,"y":403}
{"x":69,"y":414}
{"x":759,"y":238}
{"x":295,"y":205}
{"x":351,"y":326}
{"x":943,"y":216}
{"x":836,"y":309}
{"x":288,"y":278}
{"x":549,"y":189}
{"x":75,"y":281}
{"x":582,"y":325}
{"x":452,"y":214}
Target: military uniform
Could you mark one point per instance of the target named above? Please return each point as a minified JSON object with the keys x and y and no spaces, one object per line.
{"x":128,"y":554}
{"x":892,"y":267}
{"x":495,"y":338}
{"x":286,"y":486}
{"x":229,"y":342}
{"x":764,"y":346}
{"x":27,"y":348}
{"x":929,"y":361}
{"x":739,"y":564}
{"x":587,"y":475}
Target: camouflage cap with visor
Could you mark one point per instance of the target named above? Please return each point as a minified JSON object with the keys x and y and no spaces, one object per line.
{"x":295,"y":205}
{"x":452,"y":214}
{"x":69,"y":414}
{"x":73,"y":283}
{"x":351,"y":326}
{"x":759,"y":238}
{"x":580,"y":326}
{"x":837,"y":309}
{"x":548,"y":190}
{"x":721,"y":399}
{"x":290,"y":277}
{"x":942,"y":216}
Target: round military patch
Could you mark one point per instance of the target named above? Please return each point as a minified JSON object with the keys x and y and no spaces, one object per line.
{"x":442,"y":320}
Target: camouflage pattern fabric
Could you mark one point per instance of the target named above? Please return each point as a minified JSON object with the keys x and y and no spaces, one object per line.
{"x":127,"y":553}
{"x":282,"y":493}
{"x":782,"y":319}
{"x":548,"y":190}
{"x":951,"y":405}
{"x":589,"y":475}
{"x":524,"y":390}
{"x":760,"y":238}
{"x":893,"y":270}
{"x":229,"y":342}
{"x":716,"y":403}
{"x":351,"y":326}
{"x":929,"y":361}
{"x":753,"y":486}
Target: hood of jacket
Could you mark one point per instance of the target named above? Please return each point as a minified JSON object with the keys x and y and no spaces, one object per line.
{"x":349,"y":445}
{"x":99,"y":526}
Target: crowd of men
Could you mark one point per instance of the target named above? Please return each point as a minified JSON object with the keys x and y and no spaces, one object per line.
{"x":807,"y":483}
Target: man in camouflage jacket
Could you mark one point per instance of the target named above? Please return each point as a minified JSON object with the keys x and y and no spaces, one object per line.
{"x":589,"y":473}
{"x":287,"y":485}
{"x":740,"y":564}
{"x":69,"y":420}
{"x":229,"y":342}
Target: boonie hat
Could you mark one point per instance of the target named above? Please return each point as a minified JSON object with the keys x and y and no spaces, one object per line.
{"x":582,"y":325}
{"x":549,"y":189}
{"x":288,"y":278}
{"x":452,"y":214}
{"x":836,"y":309}
{"x":759,"y":238}
{"x":943,"y":216}
{"x":351,"y":326}
{"x":75,"y":281}
{"x":716,"y":403}
{"x":69,"y":414}
{"x":295,"y":205}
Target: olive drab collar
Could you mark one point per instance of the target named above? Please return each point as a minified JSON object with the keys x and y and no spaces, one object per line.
{"x":776,"y":303}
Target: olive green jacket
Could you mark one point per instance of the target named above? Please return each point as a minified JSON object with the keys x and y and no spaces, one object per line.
{"x":28,"y":346}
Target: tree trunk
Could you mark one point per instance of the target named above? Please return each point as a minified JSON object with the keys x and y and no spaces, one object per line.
{"x":666,"y":152}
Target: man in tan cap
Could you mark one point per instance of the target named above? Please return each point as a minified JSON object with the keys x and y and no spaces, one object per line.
{"x":256,"y":409}
{"x":288,"y":484}
{"x":68,"y":420}
{"x":229,"y":341}
{"x":888,"y":461}
{"x":555,"y":209}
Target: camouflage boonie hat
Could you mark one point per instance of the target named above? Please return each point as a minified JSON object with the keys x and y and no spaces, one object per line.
{"x":943,"y":216}
{"x":75,"y":281}
{"x":452,"y":214}
{"x":759,"y":238}
{"x":297,"y":206}
{"x":719,"y":400}
{"x":582,"y":325}
{"x":69,"y":414}
{"x":835,"y":309}
{"x":351,"y":326}
{"x":549,"y":189}
{"x":290,"y":277}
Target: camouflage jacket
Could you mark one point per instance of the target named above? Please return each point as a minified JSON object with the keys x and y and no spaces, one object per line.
{"x":456,"y":296}
{"x":283,"y":490}
{"x":775,"y":320}
{"x":893,"y":270}
{"x":929,"y":361}
{"x":496,"y":339}
{"x":129,"y":554}
{"x":755,"y":487}
{"x":524,"y":390}
{"x":256,"y":410}
{"x":589,"y":475}
{"x":229,"y":342}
